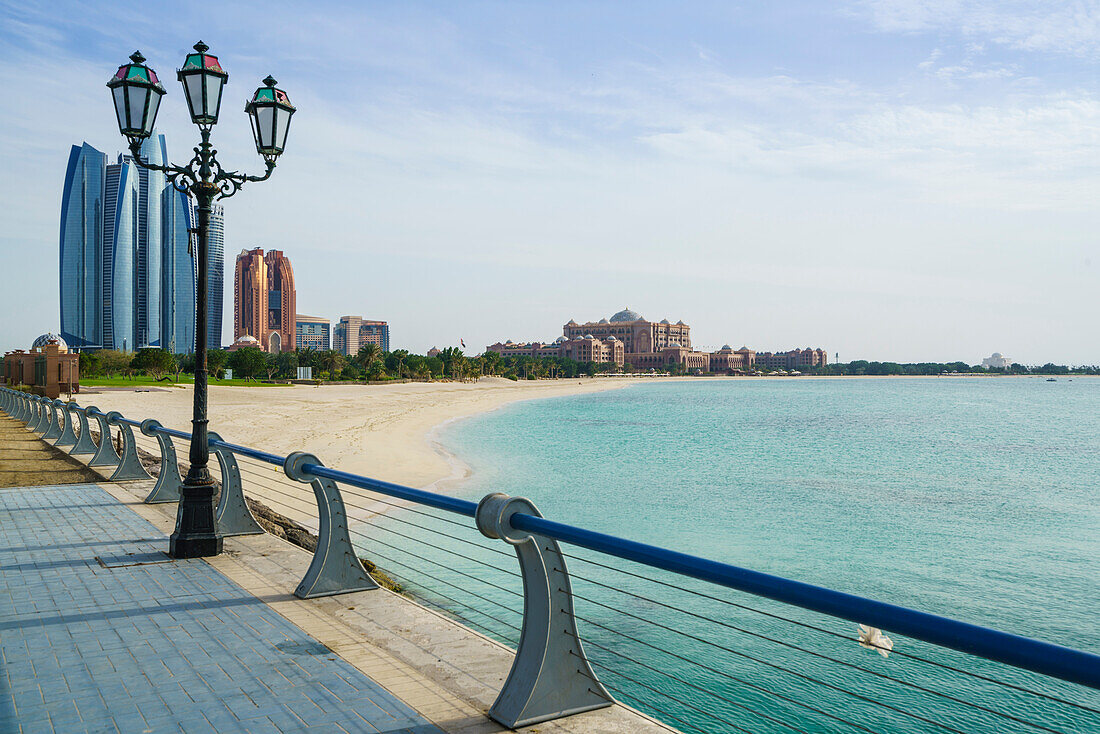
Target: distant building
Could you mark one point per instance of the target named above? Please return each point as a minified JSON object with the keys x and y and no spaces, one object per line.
{"x":312,"y":332}
{"x":729,"y":360}
{"x":628,"y":339}
{"x":127,"y":277}
{"x":795,"y":359}
{"x":49,"y":368}
{"x":215,"y":276}
{"x":996,"y":361}
{"x":244,"y":341}
{"x":624,"y":338}
{"x":120,"y":248}
{"x":434,"y":352}
{"x":264,"y":300}
{"x":352,"y":332}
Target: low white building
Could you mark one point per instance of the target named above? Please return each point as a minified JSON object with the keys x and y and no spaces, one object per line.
{"x":996,"y":361}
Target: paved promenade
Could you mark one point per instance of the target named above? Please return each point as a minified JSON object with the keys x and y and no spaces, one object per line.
{"x":100,"y":631}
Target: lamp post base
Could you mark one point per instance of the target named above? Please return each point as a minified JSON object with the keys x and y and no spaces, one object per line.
{"x":195,"y":535}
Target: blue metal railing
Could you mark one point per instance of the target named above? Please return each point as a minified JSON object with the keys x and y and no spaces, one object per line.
{"x":1021,"y":652}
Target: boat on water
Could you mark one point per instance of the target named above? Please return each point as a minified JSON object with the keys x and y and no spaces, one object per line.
{"x":1052,"y":379}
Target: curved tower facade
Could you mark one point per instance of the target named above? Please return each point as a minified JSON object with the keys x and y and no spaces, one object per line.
{"x":178,"y":274}
{"x":81,"y":240}
{"x":215,"y":280}
{"x":126,"y":276}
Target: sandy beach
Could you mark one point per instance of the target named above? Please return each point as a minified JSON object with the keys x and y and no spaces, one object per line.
{"x":382,"y":431}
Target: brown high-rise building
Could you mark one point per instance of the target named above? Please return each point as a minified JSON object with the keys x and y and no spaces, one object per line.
{"x":264,"y":300}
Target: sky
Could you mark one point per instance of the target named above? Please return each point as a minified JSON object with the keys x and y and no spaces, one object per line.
{"x":888,"y":180}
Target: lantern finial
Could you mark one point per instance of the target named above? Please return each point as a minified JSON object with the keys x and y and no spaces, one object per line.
{"x":201,"y":47}
{"x":137,"y":58}
{"x":270,"y":81}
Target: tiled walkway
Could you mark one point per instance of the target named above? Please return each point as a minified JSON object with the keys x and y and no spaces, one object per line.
{"x":101,"y":632}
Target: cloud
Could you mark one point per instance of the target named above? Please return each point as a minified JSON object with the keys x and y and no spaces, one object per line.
{"x":1029,"y":25}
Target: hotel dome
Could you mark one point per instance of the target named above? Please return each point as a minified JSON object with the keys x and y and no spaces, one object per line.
{"x":50,"y":338}
{"x":626,"y":315}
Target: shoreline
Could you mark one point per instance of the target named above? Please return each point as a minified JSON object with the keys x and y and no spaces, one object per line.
{"x":386,"y":432}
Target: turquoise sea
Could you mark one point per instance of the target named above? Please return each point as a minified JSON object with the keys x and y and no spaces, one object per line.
{"x":974,"y":498}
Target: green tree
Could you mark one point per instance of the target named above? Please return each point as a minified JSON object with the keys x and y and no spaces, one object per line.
{"x":154,"y":362}
{"x":216,"y":360}
{"x":287,"y":364}
{"x":247,"y":362}
{"x":185,"y":363}
{"x":332,"y":362}
{"x":89,"y":364}
{"x":368,"y":355}
{"x":113,"y":362}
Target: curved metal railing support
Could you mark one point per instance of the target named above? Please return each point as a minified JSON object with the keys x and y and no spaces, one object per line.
{"x":105,"y":454}
{"x":41,"y":419}
{"x":232,"y":516}
{"x":336,"y":568}
{"x":129,"y":467}
{"x":25,"y":413}
{"x":65,"y":413}
{"x":53,"y":419}
{"x":550,"y":676}
{"x":84,"y":442}
{"x":167,"y":488}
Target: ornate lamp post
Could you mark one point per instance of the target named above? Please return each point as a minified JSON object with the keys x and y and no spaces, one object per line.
{"x":137,"y":93}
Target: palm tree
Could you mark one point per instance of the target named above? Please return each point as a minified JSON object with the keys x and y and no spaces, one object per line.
{"x":368,"y":355}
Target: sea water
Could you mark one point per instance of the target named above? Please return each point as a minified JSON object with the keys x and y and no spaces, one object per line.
{"x":972,"y":498}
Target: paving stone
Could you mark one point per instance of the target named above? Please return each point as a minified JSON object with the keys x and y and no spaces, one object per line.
{"x":165,"y":647}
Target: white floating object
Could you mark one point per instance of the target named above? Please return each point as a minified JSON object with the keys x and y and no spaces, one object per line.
{"x":873,"y":639}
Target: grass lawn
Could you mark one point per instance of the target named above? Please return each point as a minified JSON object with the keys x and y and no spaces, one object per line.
{"x":146,"y":381}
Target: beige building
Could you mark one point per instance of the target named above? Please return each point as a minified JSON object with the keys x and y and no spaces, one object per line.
{"x":351,"y":333}
{"x":795,"y":359}
{"x":628,"y":339}
{"x":623,"y":339}
{"x":264,"y":300}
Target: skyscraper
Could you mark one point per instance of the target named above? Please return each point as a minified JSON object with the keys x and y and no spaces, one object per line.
{"x":119,"y":248}
{"x":81,"y":258}
{"x":179,"y":274}
{"x":352,"y":332}
{"x":123,"y":253}
{"x":215,"y":277}
{"x":264,"y":300}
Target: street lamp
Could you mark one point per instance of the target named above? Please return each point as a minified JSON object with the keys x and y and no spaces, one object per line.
{"x":137,"y":92}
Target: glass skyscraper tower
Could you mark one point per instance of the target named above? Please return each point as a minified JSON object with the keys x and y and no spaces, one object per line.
{"x":215,"y":281}
{"x":127,"y":268}
{"x":82,"y":248}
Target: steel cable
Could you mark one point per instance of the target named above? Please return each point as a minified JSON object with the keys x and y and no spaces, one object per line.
{"x":715,"y":645}
{"x":807,"y":625}
{"x":915,"y":686}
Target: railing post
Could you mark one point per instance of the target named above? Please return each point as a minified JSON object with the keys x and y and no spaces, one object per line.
{"x":43,"y":424}
{"x":167,"y":488}
{"x":84,"y":442}
{"x":550,"y":676}
{"x":39,"y":424}
{"x":232,"y":516}
{"x":5,"y":400}
{"x":53,"y":425}
{"x":25,"y":408}
{"x":105,"y":454}
{"x":68,"y":435}
{"x":336,"y":568}
{"x":129,"y":467}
